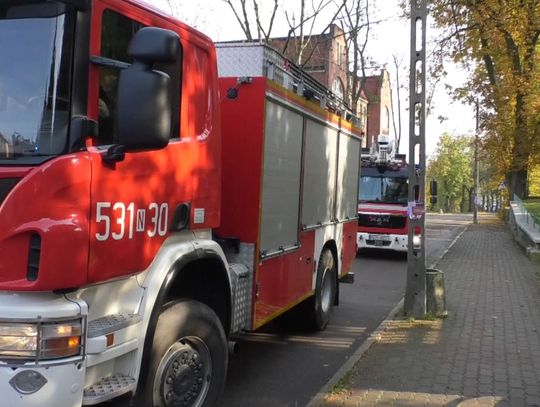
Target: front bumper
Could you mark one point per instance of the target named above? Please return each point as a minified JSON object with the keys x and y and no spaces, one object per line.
{"x":64,"y":387}
{"x":380,"y":241}
{"x":64,"y":377}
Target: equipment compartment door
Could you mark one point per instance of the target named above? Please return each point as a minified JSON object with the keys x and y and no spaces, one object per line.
{"x":281,"y":179}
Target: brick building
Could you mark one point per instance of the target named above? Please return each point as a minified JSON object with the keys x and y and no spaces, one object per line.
{"x":325,"y":58}
{"x":379,"y":95}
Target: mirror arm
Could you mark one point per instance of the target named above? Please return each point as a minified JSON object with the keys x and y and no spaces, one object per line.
{"x":108,"y":62}
{"x":114,"y":154}
{"x":81,"y":128}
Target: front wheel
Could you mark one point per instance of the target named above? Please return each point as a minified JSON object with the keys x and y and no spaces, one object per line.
{"x":321,"y":305}
{"x":188,"y":360}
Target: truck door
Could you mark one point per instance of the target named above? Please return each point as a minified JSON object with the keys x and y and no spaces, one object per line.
{"x":132,"y":201}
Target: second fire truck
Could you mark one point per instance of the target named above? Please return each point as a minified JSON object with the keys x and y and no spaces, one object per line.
{"x":382,"y":208}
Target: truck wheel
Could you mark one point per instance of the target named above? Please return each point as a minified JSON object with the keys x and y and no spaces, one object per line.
{"x":188,"y":360}
{"x":322,"y":303}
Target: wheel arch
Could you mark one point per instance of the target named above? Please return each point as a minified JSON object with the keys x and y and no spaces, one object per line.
{"x":204,"y":279}
{"x":332,"y":246}
{"x":198,"y":275}
{"x":185,"y":280}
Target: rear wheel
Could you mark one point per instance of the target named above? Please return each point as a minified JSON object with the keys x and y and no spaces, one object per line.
{"x":321,"y":305}
{"x":188,"y":360}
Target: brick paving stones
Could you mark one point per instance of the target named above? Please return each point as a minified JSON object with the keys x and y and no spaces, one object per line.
{"x":486,"y":353}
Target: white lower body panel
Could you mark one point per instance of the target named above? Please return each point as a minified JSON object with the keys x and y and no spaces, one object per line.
{"x":64,"y":387}
{"x":323,"y":235}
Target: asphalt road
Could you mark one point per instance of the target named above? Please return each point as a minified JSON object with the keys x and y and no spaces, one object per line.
{"x":286,"y":368}
{"x":281,"y":366}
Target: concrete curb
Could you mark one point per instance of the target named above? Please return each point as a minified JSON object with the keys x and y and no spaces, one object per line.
{"x":372,"y":338}
{"x":355,"y":357}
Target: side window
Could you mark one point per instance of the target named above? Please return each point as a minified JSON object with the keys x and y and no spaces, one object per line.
{"x":116,"y":33}
{"x":198,"y":92}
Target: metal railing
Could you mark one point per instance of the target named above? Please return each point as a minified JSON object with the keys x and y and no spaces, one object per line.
{"x":246,"y":59}
{"x":293,"y":77}
{"x":529,"y":219}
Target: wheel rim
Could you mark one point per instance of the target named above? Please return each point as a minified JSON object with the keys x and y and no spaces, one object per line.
{"x":326,"y":289}
{"x":184,"y":373}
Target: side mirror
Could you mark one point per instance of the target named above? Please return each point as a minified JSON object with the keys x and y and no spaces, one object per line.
{"x":144,"y":107}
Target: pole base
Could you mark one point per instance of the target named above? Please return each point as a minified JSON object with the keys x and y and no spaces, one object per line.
{"x":435,"y":293}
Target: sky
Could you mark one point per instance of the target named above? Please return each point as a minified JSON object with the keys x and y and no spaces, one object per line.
{"x":389,"y":37}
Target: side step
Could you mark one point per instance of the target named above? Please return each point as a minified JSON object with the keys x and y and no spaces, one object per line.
{"x":107,"y":389}
{"x":111,"y":323}
{"x":241,"y":279}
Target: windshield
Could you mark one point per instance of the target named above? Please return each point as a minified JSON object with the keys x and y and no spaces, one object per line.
{"x":35,"y":79}
{"x":383,"y":189}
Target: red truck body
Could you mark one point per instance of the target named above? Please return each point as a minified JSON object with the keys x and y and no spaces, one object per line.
{"x":151,"y":208}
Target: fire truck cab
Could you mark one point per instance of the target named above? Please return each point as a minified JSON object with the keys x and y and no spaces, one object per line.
{"x":151,"y":210}
{"x":383,"y":199}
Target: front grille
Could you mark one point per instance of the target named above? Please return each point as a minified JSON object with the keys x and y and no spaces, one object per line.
{"x":374,"y":220}
{"x":6,"y":185}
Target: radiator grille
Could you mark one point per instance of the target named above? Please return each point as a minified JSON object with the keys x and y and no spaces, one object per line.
{"x":382,"y":221}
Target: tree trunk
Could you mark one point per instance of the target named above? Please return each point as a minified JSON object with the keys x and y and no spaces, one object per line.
{"x":462,"y":203}
{"x":517,"y":184}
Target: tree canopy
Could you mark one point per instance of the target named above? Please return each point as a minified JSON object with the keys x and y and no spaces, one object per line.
{"x":452,"y":168}
{"x":497,"y":40}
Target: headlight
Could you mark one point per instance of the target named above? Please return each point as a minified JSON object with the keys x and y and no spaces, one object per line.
{"x":40,"y":341}
{"x":18,"y":340}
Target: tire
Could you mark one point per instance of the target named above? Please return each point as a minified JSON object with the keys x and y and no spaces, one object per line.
{"x":187,"y":365}
{"x":321,"y":305}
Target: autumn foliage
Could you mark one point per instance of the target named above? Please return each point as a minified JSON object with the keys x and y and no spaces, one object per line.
{"x":497,"y":42}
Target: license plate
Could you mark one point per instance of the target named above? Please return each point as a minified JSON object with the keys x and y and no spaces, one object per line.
{"x":380,"y":238}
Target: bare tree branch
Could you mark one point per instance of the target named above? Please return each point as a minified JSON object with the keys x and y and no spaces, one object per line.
{"x":331,"y":22}
{"x":397,"y":129}
{"x":244,"y":24}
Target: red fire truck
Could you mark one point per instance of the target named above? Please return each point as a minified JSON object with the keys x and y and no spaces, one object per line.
{"x":151,"y":210}
{"x":382,"y":208}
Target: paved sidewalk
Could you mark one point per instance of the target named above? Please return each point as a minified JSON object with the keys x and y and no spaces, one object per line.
{"x":486,"y":353}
